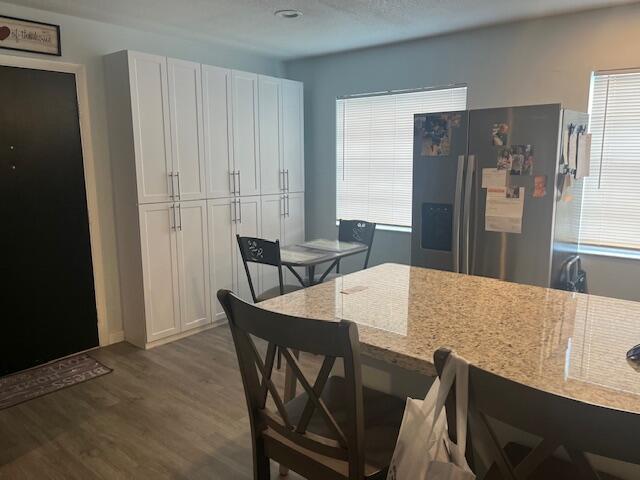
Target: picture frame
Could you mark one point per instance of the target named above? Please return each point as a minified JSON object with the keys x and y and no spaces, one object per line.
{"x":20,"y":34}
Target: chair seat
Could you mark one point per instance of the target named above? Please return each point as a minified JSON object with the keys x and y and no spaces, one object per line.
{"x":551,"y":468}
{"x":275,"y":292}
{"x":382,"y":418}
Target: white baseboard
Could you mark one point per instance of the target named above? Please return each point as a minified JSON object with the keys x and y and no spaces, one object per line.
{"x":116,"y":337}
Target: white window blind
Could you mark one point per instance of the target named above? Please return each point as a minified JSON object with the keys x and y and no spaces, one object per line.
{"x":374,"y":151}
{"x":611,"y":199}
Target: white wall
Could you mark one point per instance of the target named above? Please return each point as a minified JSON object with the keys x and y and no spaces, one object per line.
{"x":540,"y":61}
{"x":85,"y":42}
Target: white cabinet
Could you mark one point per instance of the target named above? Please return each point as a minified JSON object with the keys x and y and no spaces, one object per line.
{"x":282,"y":219}
{"x":281,"y":135}
{"x":222,"y":248}
{"x":270,"y":105}
{"x":293,"y":135}
{"x":160,"y":270}
{"x":199,"y":154}
{"x":166,"y":110}
{"x":228,"y":218}
{"x":193,"y":264}
{"x":218,"y":140}
{"x":187,"y":143}
{"x":151,"y":133}
{"x":175,"y":265}
{"x":246,"y":157}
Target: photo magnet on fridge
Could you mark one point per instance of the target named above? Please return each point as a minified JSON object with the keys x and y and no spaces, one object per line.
{"x":539,"y":186}
{"x":522,"y":160}
{"x":436,"y":133}
{"x":500,"y":134}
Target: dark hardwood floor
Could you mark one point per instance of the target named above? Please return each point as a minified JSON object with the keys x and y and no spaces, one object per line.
{"x":174,"y":412}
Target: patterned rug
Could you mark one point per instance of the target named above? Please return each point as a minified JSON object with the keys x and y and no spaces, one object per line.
{"x":39,"y":381}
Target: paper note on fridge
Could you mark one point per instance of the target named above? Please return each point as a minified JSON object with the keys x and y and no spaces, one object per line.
{"x":584,"y":155}
{"x":504,"y":208}
{"x":492,"y":177}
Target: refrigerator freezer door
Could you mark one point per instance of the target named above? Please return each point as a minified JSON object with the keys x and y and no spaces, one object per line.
{"x":439,"y":154}
{"x":518,"y":257}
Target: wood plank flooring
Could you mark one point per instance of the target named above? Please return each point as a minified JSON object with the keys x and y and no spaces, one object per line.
{"x":175,"y":412}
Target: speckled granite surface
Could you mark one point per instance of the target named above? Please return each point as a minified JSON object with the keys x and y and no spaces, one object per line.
{"x":569,"y":344}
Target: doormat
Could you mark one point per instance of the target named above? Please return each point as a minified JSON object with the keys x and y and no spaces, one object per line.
{"x":39,"y":381}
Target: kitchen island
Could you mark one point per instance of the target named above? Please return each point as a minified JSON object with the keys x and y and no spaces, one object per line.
{"x":564,"y":343}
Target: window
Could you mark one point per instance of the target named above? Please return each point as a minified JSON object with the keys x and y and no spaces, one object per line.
{"x":611,"y":198}
{"x":374,"y":151}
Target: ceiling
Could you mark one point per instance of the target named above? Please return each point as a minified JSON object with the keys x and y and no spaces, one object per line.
{"x":327,"y":25}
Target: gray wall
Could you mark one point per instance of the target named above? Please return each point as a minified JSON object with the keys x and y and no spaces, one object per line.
{"x":540,"y":61}
{"x":85,"y":42}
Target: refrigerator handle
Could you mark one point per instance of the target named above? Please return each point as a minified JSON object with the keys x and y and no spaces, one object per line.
{"x":471,"y":165}
{"x":455,"y":250}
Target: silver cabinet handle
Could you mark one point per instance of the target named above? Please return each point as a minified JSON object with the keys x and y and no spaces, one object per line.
{"x":232,"y":182}
{"x":287,"y":205}
{"x":173,"y":212}
{"x":282,"y":206}
{"x":239,"y":212}
{"x":287,"y":170}
{"x":457,"y":208}
{"x":179,"y":190}
{"x":180,"y":216}
{"x":239,"y":191}
{"x":471,"y":162}
{"x":234,"y":215}
{"x":172,"y":195}
{"x":281,"y":180}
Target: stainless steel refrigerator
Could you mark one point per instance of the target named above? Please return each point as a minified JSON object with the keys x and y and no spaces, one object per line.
{"x":450,"y":231}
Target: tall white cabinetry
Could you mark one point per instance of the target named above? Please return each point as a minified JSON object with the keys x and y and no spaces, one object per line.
{"x":199,"y":155}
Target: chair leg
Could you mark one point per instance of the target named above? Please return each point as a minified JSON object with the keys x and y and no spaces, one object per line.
{"x":261,"y":467}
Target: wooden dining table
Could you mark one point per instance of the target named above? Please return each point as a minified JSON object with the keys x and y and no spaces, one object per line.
{"x":312,"y":253}
{"x":568,"y":344}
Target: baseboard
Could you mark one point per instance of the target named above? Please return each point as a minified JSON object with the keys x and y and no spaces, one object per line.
{"x":116,"y":337}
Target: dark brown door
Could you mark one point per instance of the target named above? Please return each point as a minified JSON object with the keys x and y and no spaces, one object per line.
{"x":48,"y":301}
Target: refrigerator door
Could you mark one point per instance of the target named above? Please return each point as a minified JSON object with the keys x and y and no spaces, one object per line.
{"x":439,"y":156}
{"x":518,"y":257}
{"x":568,"y":207}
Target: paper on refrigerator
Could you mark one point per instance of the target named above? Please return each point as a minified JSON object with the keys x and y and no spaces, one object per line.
{"x":504,"y":209}
{"x":492,"y":177}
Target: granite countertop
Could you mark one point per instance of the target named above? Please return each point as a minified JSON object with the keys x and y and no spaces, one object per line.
{"x":569,"y":344}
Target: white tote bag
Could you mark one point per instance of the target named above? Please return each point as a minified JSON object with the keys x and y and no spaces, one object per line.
{"x":424,"y":450}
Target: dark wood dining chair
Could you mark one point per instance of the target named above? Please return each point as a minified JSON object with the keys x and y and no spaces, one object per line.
{"x":336,"y":429}
{"x":357,"y":231}
{"x":263,"y":252}
{"x":559,"y":421}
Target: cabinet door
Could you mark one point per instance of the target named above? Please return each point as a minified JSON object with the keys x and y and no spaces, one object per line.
{"x":160,"y":270}
{"x":272,"y":211}
{"x":222,"y":250}
{"x":218,"y":145}
{"x":245,"y":132}
{"x":270,"y":101}
{"x":293,"y":134}
{"x":294,"y":219}
{"x":193,"y":264}
{"x":247,"y":225}
{"x":187,"y":146}
{"x":151,"y":134}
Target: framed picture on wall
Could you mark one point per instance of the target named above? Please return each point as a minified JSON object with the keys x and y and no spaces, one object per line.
{"x":29,"y":36}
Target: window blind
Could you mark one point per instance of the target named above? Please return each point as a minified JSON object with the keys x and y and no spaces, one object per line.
{"x":374,"y":151}
{"x":611,"y":198}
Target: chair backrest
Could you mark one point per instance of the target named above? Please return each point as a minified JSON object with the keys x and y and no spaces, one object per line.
{"x":261,"y":251}
{"x":357,"y":231}
{"x":332,"y":340}
{"x":559,"y":421}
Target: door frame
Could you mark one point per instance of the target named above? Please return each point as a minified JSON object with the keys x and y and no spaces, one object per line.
{"x":95,"y":230}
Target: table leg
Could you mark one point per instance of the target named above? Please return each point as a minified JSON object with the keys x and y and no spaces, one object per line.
{"x":311,"y":275}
